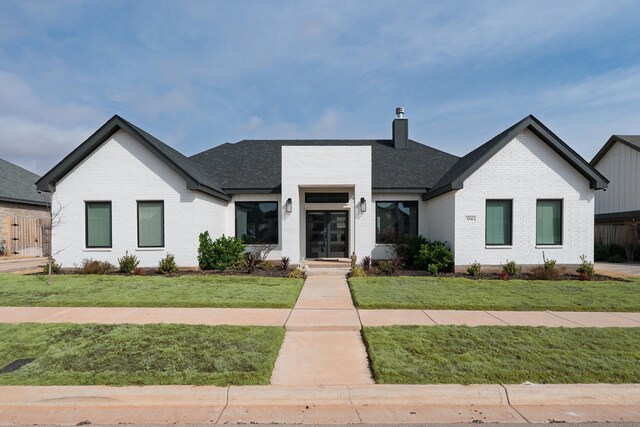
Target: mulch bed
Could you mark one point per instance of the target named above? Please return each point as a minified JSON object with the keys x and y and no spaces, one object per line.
{"x":193,"y":272}
{"x":375,"y":272}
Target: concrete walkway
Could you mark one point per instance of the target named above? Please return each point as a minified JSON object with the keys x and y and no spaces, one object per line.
{"x":392,"y":404}
{"x":323,"y":345}
{"x":17,"y":264}
{"x":625,"y":269}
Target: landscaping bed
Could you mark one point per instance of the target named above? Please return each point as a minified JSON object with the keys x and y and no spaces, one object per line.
{"x":207,"y":290}
{"x":464,"y":294}
{"x":65,"y":354}
{"x":502,"y":354}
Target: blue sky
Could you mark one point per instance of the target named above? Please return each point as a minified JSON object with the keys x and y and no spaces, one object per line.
{"x":198,"y":74}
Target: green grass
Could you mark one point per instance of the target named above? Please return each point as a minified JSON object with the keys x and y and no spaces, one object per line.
{"x":90,"y":354}
{"x":503,"y":354}
{"x":152,"y":291}
{"x":466,"y":294}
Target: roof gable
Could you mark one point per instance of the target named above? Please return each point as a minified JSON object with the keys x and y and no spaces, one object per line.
{"x":631,"y":141}
{"x":195,"y":178}
{"x":454,"y":178}
{"x":18,"y":185}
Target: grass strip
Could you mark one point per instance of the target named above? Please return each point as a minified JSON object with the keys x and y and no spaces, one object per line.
{"x":68,"y":354}
{"x":152,"y":291}
{"x":466,"y":294}
{"x":503,"y":354}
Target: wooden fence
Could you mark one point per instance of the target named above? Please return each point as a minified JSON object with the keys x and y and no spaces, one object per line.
{"x":616,"y":233}
{"x":27,"y":236}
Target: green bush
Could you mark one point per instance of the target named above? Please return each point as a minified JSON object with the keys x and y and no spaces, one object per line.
{"x":384,"y":266}
{"x":128,"y":263}
{"x":546,"y":271}
{"x":410,"y":249}
{"x":602,"y":252}
{"x":474,"y":269}
{"x":585,"y":267}
{"x":168,"y":264}
{"x":434,"y":253}
{"x":93,"y":266}
{"x":219,"y":254}
{"x":55,"y":267}
{"x":358,"y":272}
{"x":296,"y":273}
{"x":432,"y":269}
{"x":511,"y":268}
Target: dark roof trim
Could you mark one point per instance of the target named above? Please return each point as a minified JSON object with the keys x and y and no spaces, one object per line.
{"x":472,"y":161}
{"x":609,"y":144}
{"x":420,"y":190}
{"x":232,"y":191}
{"x":116,"y":123}
{"x":23,"y":202}
{"x":617,"y":216}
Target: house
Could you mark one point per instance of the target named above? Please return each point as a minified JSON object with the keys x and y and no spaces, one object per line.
{"x":24,"y":211}
{"x":522,"y":193}
{"x":617,"y":219}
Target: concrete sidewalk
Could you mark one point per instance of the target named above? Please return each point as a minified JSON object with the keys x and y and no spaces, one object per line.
{"x":397,"y":404}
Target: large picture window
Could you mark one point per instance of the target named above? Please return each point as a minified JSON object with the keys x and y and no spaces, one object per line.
{"x":257,"y":222}
{"x":549,"y":222}
{"x":396,"y":221}
{"x":98,"y":224}
{"x":498,"y":226}
{"x":151,"y":224}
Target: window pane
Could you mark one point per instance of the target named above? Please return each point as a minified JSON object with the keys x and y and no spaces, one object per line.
{"x":98,"y":224}
{"x":498,"y":222}
{"x":257,"y":222}
{"x":150,"y":224}
{"x":549,"y":222}
{"x":396,"y":221}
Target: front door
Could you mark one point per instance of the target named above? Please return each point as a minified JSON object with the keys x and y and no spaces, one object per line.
{"x":327,"y":234}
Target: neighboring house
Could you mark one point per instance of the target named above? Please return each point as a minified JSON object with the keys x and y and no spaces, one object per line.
{"x":523,"y":192}
{"x":618,"y":209}
{"x":23,"y":211}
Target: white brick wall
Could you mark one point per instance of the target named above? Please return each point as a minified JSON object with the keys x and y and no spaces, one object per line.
{"x":621,"y":166}
{"x":440,"y":218}
{"x":307,"y":167}
{"x":524,"y":170}
{"x":123,"y":171}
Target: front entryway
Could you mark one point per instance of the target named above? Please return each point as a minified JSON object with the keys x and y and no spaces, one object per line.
{"x":327,"y":234}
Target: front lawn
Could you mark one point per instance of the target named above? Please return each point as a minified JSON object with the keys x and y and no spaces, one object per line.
{"x":152,"y":291}
{"x":466,"y":294}
{"x":503,"y":354}
{"x":68,"y":354}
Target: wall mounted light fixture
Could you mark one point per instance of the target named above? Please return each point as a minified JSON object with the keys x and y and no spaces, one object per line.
{"x":363,"y":204}
{"x":289,"y":205}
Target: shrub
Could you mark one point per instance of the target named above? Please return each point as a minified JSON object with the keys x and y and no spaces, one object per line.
{"x":384,"y":266}
{"x":138,"y":271}
{"x":358,"y":272}
{"x":396,"y":263}
{"x":268,"y":266}
{"x":585,"y":268}
{"x":583,"y":277}
{"x":366,"y":263}
{"x":218,"y":254}
{"x":128,"y":262}
{"x":546,"y":271}
{"x":168,"y":264}
{"x":284,"y":263}
{"x":504,"y":275}
{"x":296,"y":273}
{"x":511,"y":268}
{"x":240,"y":264}
{"x":251,"y":261}
{"x":617,"y":258}
{"x":432,"y":269}
{"x":474,"y":269}
{"x":93,"y":266}
{"x":434,"y":253}
{"x":600,"y":252}
{"x":55,"y":267}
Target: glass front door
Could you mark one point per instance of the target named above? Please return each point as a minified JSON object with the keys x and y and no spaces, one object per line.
{"x":327,"y":234}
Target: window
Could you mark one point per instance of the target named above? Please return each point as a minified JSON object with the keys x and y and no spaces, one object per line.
{"x":549,"y":222}
{"x":396,"y":221}
{"x":98,"y":224}
{"x":151,"y":224}
{"x":326,"y":197}
{"x":498,"y":222}
{"x":257,"y":222}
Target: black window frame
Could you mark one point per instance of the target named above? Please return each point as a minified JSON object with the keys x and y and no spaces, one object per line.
{"x":561,"y":222}
{"x":277,"y":222}
{"x":378,"y":242}
{"x":86,"y":223}
{"x":138,"y":202}
{"x":510,"y":222}
{"x":326,"y":197}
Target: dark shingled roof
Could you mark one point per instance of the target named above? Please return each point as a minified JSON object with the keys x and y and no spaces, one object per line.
{"x":257,"y":164}
{"x":19,"y":185}
{"x":632,"y":141}
{"x":454,"y":178}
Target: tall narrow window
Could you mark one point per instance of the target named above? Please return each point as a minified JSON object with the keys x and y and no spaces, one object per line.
{"x":151,"y":224}
{"x":396,"y":221}
{"x":498,"y":222}
{"x":98,"y":224}
{"x":549,"y":222}
{"x":257,"y":222}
